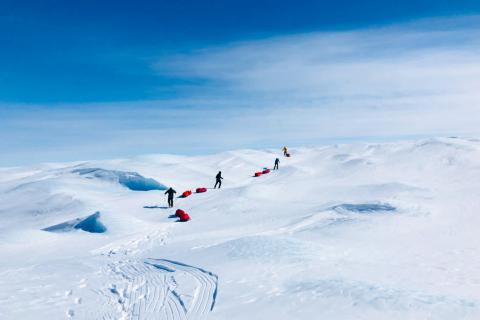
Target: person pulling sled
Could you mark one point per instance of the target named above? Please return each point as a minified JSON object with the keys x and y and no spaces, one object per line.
{"x":171,"y":194}
{"x":277,"y":162}
{"x":218,"y":180}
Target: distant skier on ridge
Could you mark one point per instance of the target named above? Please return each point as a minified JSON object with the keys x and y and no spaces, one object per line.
{"x":277,"y":161}
{"x":285,"y":151}
{"x":170,"y":193}
{"x":218,"y":180}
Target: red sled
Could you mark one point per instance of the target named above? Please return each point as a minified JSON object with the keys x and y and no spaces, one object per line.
{"x":201,"y":190}
{"x":266,"y":171}
{"x":182,"y":215}
{"x":186,"y":193}
{"x":258,"y":174}
{"x":180,"y":212}
{"x":185,"y":218}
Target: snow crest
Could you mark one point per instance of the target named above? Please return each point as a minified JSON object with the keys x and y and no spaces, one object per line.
{"x":90,"y":224}
{"x":131,"y":180}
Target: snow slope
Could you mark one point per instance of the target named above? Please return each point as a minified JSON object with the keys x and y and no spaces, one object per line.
{"x":364,"y":231}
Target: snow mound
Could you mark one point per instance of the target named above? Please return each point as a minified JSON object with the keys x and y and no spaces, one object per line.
{"x":382,"y":298}
{"x":89,"y":224}
{"x":365,"y":208}
{"x":131,"y":180}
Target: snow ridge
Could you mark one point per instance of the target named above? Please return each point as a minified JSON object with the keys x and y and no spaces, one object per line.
{"x":89,"y":224}
{"x":131,"y":180}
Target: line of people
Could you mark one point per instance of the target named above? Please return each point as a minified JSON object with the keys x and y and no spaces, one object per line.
{"x":218,"y":180}
{"x":171,"y":192}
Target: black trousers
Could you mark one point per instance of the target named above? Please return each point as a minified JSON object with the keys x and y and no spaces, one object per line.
{"x":219,"y":183}
{"x":170,"y":202}
{"x":275,"y":167}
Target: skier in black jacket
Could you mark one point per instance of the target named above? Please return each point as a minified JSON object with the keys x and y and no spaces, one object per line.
{"x":170,"y":193}
{"x":218,"y":180}
{"x":277,"y":161}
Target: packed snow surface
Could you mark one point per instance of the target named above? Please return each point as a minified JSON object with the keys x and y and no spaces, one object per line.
{"x":361,"y":231}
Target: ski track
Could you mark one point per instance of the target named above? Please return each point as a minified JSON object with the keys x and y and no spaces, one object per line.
{"x":150,"y":290}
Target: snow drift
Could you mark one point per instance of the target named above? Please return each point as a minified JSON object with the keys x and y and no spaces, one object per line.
{"x":90,"y":224}
{"x":365,"y":208}
{"x":131,"y":180}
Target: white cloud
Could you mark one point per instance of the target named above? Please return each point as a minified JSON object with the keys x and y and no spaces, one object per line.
{"x":428,"y":58}
{"x":417,"y":79}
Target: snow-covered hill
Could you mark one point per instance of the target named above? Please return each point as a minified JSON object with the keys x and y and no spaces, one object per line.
{"x":365,"y":231}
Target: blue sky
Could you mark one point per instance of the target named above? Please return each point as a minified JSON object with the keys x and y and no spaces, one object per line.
{"x":98,"y":79}
{"x":91,"y":51}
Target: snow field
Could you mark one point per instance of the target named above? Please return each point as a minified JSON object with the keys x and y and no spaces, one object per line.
{"x":366,"y":231}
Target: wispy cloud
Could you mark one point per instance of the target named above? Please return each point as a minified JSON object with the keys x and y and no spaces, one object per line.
{"x":428,"y":58}
{"x":416,"y":79}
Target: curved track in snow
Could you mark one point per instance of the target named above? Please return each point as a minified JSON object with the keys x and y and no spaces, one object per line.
{"x":161,"y":289}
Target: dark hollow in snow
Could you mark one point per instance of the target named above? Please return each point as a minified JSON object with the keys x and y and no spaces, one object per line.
{"x":88,"y":224}
{"x":365,"y":208}
{"x":131,"y":180}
